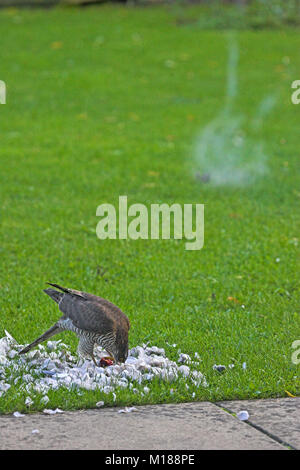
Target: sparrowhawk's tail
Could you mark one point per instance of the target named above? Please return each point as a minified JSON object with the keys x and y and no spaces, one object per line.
{"x":51,"y":332}
{"x":64,"y":289}
{"x":77,"y":293}
{"x":54,"y":294}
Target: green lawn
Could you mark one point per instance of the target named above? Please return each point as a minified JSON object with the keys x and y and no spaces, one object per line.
{"x":109,"y":101}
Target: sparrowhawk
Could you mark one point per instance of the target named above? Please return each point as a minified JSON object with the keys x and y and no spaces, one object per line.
{"x":96,"y":321}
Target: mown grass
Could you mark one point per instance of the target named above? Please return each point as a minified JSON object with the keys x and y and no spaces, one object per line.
{"x":109,"y":101}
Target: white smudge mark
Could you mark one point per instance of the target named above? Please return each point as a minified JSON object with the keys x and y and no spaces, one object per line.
{"x":228,"y":152}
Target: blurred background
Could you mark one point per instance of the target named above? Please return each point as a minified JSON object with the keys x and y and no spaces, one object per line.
{"x":259,"y":13}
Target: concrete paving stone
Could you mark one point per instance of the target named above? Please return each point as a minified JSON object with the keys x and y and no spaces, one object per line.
{"x":279,"y":417}
{"x":187,"y":426}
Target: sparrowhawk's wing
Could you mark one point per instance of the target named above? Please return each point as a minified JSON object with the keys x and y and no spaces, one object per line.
{"x":85,"y":314}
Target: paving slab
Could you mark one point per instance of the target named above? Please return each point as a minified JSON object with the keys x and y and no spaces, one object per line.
{"x":187,"y":426}
{"x":279,"y":417}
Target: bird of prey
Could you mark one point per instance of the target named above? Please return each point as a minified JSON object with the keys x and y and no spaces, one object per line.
{"x":93,"y":319}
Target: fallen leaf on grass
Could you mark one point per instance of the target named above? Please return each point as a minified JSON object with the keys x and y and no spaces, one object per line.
{"x":56,"y":45}
{"x":290,"y":394}
{"x":233,"y":299}
{"x":134,"y":117}
{"x":153,"y":173}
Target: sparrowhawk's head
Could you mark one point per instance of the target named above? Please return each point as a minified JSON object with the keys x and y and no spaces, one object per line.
{"x":122,"y":352}
{"x":121,"y":345}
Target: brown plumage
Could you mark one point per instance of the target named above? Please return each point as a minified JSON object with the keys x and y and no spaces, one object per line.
{"x":93,"y":319}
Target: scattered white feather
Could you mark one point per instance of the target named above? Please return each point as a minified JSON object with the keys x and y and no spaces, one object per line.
{"x":184,"y":359}
{"x":52,"y":412}
{"x":219,"y":367}
{"x":52,"y":367}
{"x":184,"y":370}
{"x":243,"y":415}
{"x":28,"y":401}
{"x":128,"y":409}
{"x":45,"y":400}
